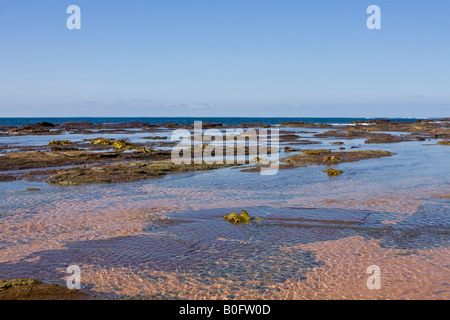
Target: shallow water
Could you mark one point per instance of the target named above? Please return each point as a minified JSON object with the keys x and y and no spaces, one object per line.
{"x":166,"y":238}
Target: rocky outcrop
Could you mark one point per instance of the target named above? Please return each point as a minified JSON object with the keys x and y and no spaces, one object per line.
{"x":316,"y":157}
{"x":126,"y":172}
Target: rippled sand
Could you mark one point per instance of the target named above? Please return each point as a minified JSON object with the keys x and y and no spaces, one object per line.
{"x":421,"y":275}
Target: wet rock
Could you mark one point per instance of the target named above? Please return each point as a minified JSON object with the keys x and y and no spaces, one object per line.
{"x":155,"y":138}
{"x":37,"y":159}
{"x":385,"y":138}
{"x":319,"y":152}
{"x":31,"y":289}
{"x":76,"y":123}
{"x":316,"y":157}
{"x":63,"y":149}
{"x":331,"y":159}
{"x":300,"y":124}
{"x":354,"y":133}
{"x":7,"y":178}
{"x":46,"y":124}
{"x":33,"y":189}
{"x":30,"y":129}
{"x":126,"y":172}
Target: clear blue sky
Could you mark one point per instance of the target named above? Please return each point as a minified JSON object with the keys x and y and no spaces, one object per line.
{"x":225,"y":58}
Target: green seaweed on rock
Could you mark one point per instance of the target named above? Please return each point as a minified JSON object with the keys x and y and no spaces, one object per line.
{"x":106,"y":142}
{"x":313,"y":152}
{"x":331,"y":158}
{"x":120,"y":145}
{"x":234,"y":218}
{"x":59,"y":143}
{"x":333,"y":172}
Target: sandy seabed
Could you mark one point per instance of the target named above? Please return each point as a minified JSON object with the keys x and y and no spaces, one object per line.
{"x":405,"y":274}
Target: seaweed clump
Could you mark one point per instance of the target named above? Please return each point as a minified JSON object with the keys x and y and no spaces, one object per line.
{"x":331,"y":158}
{"x":105,"y":142}
{"x":333,"y":172}
{"x":120,"y":144}
{"x":234,"y":218}
{"x":59,"y":143}
{"x":444,"y":143}
{"x":314,"y":152}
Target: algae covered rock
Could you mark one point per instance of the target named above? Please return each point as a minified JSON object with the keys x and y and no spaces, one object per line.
{"x":333,"y":172}
{"x":444,"y":143}
{"x":106,"y":142}
{"x":144,"y":149}
{"x":244,"y":217}
{"x":31,"y":289}
{"x":59,"y":143}
{"x":6,"y":284}
{"x":123,"y":145}
{"x":315,"y":152}
{"x":120,"y":145}
{"x":331,"y":158}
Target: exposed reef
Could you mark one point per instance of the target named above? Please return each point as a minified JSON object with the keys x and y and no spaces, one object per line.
{"x":125,"y":172}
{"x":39,"y":162}
{"x":325,"y":156}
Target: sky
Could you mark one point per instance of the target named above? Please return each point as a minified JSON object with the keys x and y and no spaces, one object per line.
{"x":225,"y":58}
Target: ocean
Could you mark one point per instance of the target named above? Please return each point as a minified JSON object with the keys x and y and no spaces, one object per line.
{"x":190,"y":120}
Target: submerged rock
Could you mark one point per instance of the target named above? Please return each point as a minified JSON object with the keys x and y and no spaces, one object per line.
{"x":444,"y":143}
